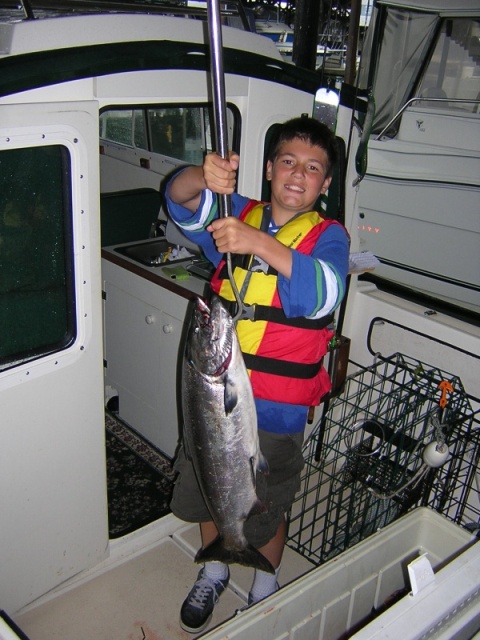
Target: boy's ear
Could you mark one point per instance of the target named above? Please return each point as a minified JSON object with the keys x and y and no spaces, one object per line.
{"x":326,"y":184}
{"x":268,"y":171}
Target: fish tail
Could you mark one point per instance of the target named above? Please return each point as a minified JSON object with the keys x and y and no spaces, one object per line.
{"x":248,"y":556}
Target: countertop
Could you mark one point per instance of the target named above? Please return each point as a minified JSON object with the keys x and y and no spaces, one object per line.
{"x":189,"y":288}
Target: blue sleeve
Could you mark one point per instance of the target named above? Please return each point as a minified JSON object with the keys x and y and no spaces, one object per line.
{"x":194,"y":225}
{"x":317,"y":283}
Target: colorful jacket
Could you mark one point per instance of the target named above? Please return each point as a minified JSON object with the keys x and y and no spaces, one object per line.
{"x":284,"y":355}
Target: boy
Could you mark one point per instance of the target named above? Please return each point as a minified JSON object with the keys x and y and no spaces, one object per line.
{"x":290,"y":267}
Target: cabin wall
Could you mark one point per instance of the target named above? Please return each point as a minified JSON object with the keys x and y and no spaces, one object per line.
{"x":53,"y":500}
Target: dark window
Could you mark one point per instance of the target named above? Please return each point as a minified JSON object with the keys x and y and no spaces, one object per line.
{"x":183,"y":132}
{"x":37,"y":305}
{"x":180,"y":132}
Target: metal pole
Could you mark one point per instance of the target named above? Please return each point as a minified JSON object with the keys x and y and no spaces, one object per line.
{"x":218,"y":87}
{"x":220,"y":122}
{"x":352,"y":42}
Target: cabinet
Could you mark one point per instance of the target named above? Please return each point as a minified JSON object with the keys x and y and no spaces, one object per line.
{"x":144,"y":327}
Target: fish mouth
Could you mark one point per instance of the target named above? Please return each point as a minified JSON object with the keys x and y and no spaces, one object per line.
{"x":204,"y":311}
{"x":204,"y":318}
{"x":220,"y":348}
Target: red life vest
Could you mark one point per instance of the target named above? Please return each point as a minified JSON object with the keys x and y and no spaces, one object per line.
{"x":284,"y":356}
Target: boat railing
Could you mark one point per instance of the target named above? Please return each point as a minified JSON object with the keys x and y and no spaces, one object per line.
{"x":424,"y":99}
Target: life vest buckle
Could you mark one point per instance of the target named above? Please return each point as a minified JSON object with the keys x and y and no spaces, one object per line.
{"x":247,"y":312}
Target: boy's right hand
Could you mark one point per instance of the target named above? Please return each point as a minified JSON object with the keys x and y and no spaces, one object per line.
{"x":220,"y":175}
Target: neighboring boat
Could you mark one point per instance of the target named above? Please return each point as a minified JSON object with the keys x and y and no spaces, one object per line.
{"x":332,"y":41}
{"x":283,"y":35}
{"x":270,"y":25}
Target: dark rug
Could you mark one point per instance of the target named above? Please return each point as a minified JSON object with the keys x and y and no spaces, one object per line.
{"x":139,"y":479}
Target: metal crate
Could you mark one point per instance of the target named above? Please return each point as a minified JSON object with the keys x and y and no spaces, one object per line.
{"x":364,"y":464}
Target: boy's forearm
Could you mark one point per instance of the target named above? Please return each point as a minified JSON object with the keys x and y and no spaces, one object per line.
{"x":187,"y":186}
{"x":275,"y":254}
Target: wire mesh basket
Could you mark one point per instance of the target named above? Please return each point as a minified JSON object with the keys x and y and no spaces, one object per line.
{"x":365,"y":464}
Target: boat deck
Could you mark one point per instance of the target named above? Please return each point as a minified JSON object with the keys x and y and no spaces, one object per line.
{"x":137,"y":592}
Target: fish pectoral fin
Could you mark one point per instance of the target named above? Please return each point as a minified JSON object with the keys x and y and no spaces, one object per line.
{"x":262,"y":464}
{"x":230,"y":396}
{"x":252,"y":471}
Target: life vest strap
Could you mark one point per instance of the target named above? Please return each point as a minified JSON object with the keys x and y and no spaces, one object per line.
{"x":256,"y":312}
{"x":282,"y":367}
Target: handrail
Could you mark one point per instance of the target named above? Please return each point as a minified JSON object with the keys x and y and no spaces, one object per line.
{"x":27,"y":9}
{"x":421,"y":99}
{"x":362,"y":151}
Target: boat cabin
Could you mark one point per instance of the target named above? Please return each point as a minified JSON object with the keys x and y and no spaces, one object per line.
{"x":99,"y":105}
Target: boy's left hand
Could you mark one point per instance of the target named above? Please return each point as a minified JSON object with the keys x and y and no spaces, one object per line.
{"x":234,"y":236}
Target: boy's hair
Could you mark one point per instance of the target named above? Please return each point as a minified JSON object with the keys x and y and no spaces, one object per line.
{"x":309,"y":130}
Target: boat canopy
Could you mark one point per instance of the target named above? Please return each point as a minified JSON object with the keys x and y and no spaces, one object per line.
{"x":406,"y":49}
{"x":443,"y":8}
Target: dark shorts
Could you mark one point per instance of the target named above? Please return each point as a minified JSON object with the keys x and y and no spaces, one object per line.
{"x":276,"y":490}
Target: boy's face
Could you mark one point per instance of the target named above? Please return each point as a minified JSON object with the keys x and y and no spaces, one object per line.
{"x":298,"y":177}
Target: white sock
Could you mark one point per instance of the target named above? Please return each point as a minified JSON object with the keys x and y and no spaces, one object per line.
{"x":264,"y":584}
{"x":216,"y":570}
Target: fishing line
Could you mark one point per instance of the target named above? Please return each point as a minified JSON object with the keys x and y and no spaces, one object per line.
{"x":220,"y":122}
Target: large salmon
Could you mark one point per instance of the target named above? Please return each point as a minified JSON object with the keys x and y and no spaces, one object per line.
{"x":220,"y":430}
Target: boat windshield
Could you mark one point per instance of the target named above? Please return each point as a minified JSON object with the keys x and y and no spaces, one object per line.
{"x":413,"y":65}
{"x":453,"y":71}
{"x":405,"y":42}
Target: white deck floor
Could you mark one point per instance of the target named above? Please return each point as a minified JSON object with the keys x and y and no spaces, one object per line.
{"x":137,"y":592}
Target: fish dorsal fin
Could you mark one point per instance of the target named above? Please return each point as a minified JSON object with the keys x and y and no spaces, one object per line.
{"x":230,"y":396}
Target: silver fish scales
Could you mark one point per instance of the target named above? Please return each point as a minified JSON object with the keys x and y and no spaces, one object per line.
{"x":220,"y":430}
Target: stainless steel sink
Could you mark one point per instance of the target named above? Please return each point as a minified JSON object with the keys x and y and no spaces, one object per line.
{"x":156,"y":253}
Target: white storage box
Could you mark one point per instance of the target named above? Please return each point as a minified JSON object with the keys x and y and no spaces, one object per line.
{"x":8,"y":629}
{"x":339,"y":596}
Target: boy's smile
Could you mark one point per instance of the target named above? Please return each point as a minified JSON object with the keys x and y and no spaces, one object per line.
{"x":298,"y":177}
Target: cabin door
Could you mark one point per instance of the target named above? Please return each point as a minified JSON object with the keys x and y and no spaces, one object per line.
{"x":53,"y":505}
